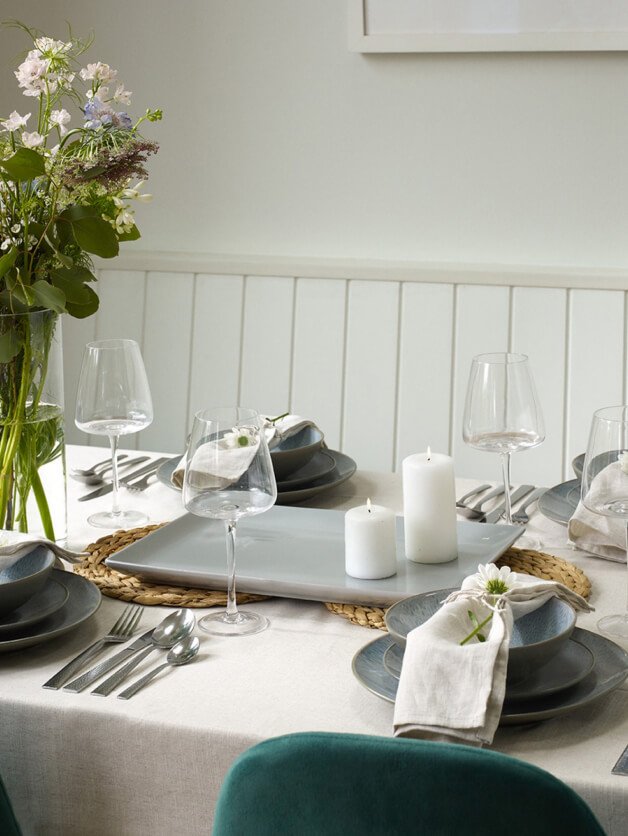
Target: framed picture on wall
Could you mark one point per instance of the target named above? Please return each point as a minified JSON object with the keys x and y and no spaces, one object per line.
{"x":487,"y":25}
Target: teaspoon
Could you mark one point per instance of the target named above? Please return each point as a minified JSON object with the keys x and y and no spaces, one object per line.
{"x":180,"y":654}
{"x":167,"y":633}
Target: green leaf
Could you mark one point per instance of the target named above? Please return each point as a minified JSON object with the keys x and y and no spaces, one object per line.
{"x":48,"y":296}
{"x":74,"y":273}
{"x":25,"y":164}
{"x":132,"y":235}
{"x":74,"y":291}
{"x":94,"y":235}
{"x":23,"y":294}
{"x":81,"y":311}
{"x":9,"y":346}
{"x":7,"y":261}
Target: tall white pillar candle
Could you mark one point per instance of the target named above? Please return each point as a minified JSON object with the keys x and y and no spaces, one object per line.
{"x":370,"y":542}
{"x":429,"y":508}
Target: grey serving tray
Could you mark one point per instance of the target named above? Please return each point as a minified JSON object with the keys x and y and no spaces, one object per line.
{"x":298,"y":553}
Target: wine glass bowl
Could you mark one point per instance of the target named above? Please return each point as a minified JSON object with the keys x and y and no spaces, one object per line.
{"x":113,"y":399}
{"x":229,"y":475}
{"x":605,"y":483}
{"x":502,"y":413}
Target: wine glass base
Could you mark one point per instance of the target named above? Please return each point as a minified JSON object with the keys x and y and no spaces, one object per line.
{"x":240,"y":624}
{"x":125,"y":519}
{"x":614,"y":625}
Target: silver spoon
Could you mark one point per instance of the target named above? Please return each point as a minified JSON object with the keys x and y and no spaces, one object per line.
{"x":98,"y":478}
{"x":167,"y":633}
{"x":95,"y":469}
{"x":180,"y":654}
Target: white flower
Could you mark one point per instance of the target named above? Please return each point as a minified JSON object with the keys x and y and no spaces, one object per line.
{"x":16,"y":228}
{"x":5,"y":244}
{"x":122,"y":96}
{"x":52,"y":47}
{"x":60,"y":118}
{"x":134,"y":194}
{"x":125,"y":220}
{"x":54,"y":150}
{"x":98,"y":72}
{"x":32,"y":140}
{"x":31,"y":74}
{"x":15,"y":121}
{"x":492,"y":580}
{"x":240,"y":437}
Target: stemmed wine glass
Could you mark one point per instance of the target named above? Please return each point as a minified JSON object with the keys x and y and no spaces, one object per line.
{"x":113,"y":399}
{"x":229,"y":475}
{"x":502,"y":412}
{"x":605,"y":483}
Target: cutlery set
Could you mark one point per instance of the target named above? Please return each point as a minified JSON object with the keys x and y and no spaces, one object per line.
{"x":137,"y":480}
{"x":476,"y":513}
{"x":174,"y":634}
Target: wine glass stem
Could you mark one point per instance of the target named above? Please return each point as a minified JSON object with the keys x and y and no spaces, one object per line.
{"x":115,"y":504}
{"x":232,"y":609}
{"x":626,"y":616}
{"x":505,"y":457}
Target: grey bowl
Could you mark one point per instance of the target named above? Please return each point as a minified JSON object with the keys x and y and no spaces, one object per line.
{"x":599,"y":463}
{"x":24,"y":578}
{"x":296,"y":451}
{"x":536,"y":637}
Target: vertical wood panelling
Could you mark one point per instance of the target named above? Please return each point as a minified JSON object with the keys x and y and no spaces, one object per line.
{"x":425,"y":357}
{"x":539,"y":318}
{"x":267,"y":344}
{"x":371,"y":374}
{"x":169,"y":300}
{"x":318,"y":359}
{"x":76,"y":333}
{"x":482,"y":325}
{"x":216,"y":342}
{"x":596,"y":358}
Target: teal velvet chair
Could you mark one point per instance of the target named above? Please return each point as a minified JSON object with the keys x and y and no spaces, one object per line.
{"x":8,"y":822}
{"x":318,"y":784}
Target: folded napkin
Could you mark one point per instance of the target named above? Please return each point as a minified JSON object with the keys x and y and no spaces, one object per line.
{"x":229,"y":468}
{"x":11,"y":552}
{"x":596,"y":533}
{"x":218,"y":464}
{"x":449,"y":691}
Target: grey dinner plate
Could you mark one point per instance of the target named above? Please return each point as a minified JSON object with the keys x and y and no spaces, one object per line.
{"x":343,"y":469}
{"x":52,"y":597}
{"x":609,"y":671}
{"x":320,"y":465}
{"x":84,"y":598}
{"x":560,"y":502}
{"x":567,"y":668}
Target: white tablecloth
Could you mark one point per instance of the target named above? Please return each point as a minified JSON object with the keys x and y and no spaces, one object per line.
{"x":79,"y":764}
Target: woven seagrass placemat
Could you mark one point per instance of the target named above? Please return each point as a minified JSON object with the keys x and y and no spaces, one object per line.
{"x":131,"y":588}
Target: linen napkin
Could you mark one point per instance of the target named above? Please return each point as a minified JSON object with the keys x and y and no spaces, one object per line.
{"x":218,"y":464}
{"x":449,"y":691}
{"x":275,"y":431}
{"x":595,"y":533}
{"x":11,"y":552}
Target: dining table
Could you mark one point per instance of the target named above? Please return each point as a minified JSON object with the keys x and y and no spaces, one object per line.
{"x":78,"y":764}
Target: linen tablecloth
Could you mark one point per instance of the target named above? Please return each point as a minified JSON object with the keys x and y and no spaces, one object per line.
{"x":79,"y":764}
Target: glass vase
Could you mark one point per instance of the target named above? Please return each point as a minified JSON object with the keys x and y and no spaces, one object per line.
{"x":32,"y":451}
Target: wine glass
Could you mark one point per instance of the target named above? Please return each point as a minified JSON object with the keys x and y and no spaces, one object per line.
{"x":229,"y":475}
{"x":502,"y":412}
{"x":113,"y":399}
{"x":605,"y":483}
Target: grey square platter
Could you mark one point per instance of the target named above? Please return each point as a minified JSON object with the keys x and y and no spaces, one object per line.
{"x":298,"y":553}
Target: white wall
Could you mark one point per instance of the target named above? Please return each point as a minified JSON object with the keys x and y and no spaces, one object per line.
{"x":278,"y":140}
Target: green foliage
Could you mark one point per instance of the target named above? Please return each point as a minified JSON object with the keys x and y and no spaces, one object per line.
{"x":26,"y":164}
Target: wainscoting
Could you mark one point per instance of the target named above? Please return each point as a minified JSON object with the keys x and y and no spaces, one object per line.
{"x":377,"y":356}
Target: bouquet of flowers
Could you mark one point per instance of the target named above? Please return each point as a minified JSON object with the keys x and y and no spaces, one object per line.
{"x":68,"y":179}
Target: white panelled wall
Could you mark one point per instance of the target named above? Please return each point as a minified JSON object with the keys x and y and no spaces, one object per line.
{"x":380,"y":365}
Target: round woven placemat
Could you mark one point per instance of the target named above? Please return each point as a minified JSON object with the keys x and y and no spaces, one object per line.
{"x":131,"y":588}
{"x":528,"y":562}
{"x":116,"y":584}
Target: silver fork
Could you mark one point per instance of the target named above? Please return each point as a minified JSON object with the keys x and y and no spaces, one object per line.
{"x":141,"y":484}
{"x":120,"y":632}
{"x":521,"y":516}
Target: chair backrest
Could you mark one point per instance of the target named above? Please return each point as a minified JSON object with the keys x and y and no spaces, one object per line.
{"x":320,"y":784}
{"x":8,"y":822}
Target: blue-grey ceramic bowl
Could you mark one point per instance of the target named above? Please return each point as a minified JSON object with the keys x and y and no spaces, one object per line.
{"x":296,"y":451}
{"x":24,"y":578}
{"x":536,"y":637}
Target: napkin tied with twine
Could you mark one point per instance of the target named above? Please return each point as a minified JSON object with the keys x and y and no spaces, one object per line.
{"x":598,"y":534}
{"x":453,"y":692}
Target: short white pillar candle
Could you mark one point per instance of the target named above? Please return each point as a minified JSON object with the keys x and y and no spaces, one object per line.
{"x":429,"y":508}
{"x":370,"y":542}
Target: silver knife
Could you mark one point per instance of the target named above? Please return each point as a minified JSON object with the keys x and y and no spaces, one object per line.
{"x":96,"y":672}
{"x":105,"y":489}
{"x":495,"y":515}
